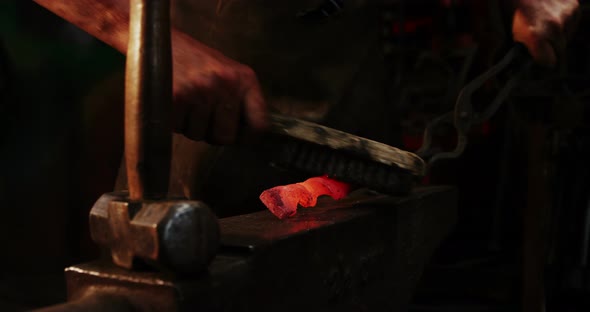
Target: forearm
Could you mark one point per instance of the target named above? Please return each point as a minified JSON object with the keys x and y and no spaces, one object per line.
{"x":203,"y":78}
{"x":107,"y":20}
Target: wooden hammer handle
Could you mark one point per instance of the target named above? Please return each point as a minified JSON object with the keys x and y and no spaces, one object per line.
{"x":148,"y":99}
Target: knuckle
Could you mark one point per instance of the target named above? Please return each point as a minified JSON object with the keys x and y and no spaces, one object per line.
{"x":204,"y":82}
{"x":247,"y":74}
{"x":248,"y":71}
{"x":227,"y":75}
{"x":555,"y":21}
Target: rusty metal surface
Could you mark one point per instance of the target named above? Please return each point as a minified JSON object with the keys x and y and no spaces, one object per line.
{"x":148,"y":99}
{"x":364,"y":254}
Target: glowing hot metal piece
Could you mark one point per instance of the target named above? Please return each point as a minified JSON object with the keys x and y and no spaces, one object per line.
{"x":283,"y":200}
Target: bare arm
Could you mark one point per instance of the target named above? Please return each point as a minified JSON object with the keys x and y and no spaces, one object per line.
{"x":107,"y":20}
{"x":211,"y":91}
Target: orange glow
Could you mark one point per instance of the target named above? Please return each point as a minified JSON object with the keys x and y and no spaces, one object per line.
{"x":283,"y":200}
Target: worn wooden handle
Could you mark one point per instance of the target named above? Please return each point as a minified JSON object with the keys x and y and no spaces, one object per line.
{"x":148,"y":96}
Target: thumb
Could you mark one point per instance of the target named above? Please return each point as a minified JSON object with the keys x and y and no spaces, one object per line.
{"x":256,"y":108}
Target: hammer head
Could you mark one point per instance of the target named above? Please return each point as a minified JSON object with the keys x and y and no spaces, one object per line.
{"x":180,"y":235}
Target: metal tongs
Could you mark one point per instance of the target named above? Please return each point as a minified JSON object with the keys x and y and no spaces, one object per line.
{"x":463,"y":116}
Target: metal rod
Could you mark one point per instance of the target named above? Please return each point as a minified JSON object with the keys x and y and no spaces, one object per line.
{"x":148,"y":95}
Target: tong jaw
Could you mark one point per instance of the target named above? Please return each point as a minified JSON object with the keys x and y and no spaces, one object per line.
{"x":464,"y":116}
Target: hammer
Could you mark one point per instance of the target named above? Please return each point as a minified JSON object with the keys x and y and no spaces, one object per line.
{"x":174,"y":234}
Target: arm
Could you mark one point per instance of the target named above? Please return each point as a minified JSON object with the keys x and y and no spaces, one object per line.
{"x":211,"y":91}
{"x":542,"y":26}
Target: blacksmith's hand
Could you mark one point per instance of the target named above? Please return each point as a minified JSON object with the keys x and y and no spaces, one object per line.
{"x":214,"y":97}
{"x":543,"y":26}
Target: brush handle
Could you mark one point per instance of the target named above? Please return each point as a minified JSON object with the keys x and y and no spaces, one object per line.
{"x":338,"y":140}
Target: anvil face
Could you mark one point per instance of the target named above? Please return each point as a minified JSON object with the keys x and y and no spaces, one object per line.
{"x":366,"y":251}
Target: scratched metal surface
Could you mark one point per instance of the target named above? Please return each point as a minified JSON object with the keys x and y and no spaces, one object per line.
{"x":259,"y":230}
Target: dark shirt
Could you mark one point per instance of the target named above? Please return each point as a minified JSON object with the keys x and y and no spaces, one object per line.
{"x":306,"y":53}
{"x":321,"y":67}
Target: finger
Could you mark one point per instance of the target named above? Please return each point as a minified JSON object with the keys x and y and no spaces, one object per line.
{"x":546,"y":44}
{"x":179,"y":111}
{"x":571,"y":23}
{"x":545,"y":53}
{"x":521,"y":32}
{"x":198,"y":119}
{"x":255,"y":107}
{"x":225,"y":119}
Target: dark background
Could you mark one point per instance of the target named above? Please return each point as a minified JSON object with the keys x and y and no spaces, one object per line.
{"x":523,"y":179}
{"x":50,"y":156}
